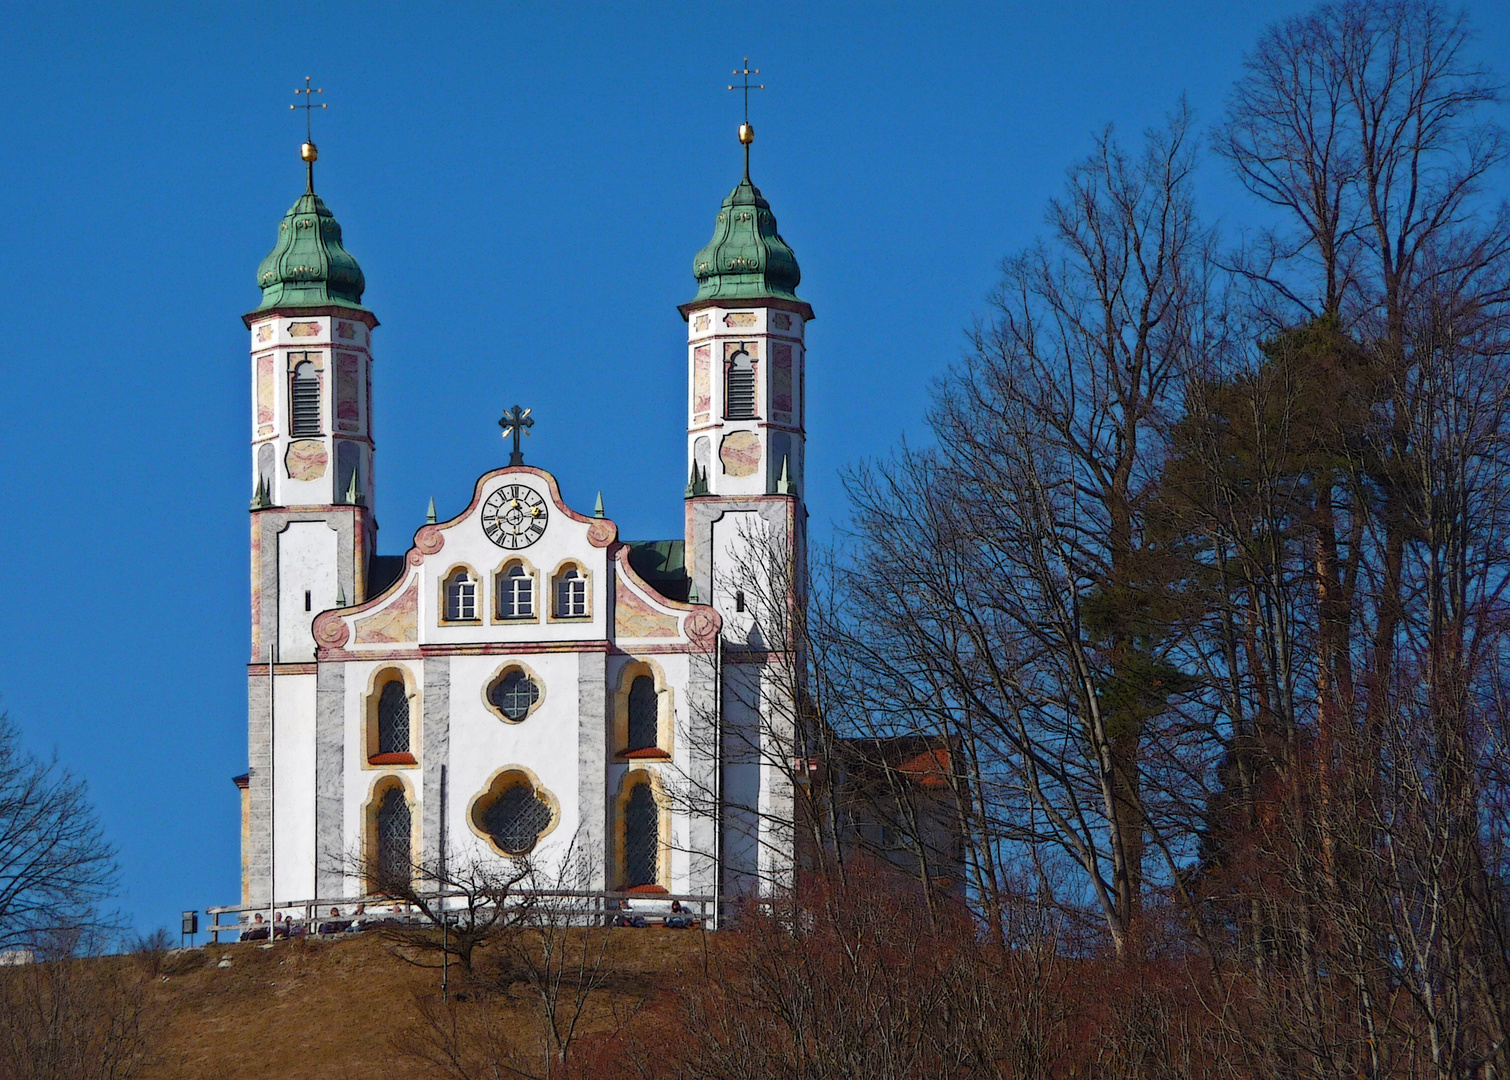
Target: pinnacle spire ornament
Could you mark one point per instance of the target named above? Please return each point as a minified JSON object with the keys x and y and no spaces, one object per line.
{"x":746,"y":132}
{"x":309,"y":152}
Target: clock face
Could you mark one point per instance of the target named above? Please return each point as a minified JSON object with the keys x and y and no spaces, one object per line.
{"x":514,"y":516}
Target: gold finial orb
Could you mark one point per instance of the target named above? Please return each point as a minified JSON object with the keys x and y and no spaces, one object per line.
{"x":746,"y":133}
{"x":308,"y":152}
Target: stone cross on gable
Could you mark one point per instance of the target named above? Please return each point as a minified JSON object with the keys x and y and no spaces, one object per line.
{"x":516,"y":421}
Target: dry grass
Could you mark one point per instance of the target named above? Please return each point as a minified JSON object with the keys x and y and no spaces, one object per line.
{"x":329,"y":1010}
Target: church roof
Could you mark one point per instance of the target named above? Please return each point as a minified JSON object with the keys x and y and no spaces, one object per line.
{"x":663,"y":565}
{"x":308,"y":267}
{"x":747,"y":259}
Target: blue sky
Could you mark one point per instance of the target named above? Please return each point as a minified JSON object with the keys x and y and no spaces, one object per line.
{"x":525,"y":187}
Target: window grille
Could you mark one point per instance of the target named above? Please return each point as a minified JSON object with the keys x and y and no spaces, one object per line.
{"x":461,"y":597}
{"x":642,"y":838}
{"x":642,"y":714}
{"x":571,"y":595}
{"x":740,"y":399}
{"x":514,"y":694}
{"x":306,"y":400}
{"x":393,"y":825}
{"x":393,"y":719}
{"x":516,"y":594}
{"x":516,"y":819}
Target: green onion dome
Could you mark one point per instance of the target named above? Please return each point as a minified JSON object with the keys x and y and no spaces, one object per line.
{"x":308,"y":267}
{"x":747,"y":259}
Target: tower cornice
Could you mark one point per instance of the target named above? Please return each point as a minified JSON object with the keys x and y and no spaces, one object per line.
{"x":361,"y":315}
{"x":800,"y":307}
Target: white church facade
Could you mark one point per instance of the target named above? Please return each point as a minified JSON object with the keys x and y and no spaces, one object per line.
{"x":520,"y":680}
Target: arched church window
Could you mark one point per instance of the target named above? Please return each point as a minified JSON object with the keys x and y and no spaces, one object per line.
{"x":515,"y":820}
{"x":516,"y":594}
{"x":739,"y":387}
{"x":306,"y":400}
{"x":571,"y":594}
{"x":643,"y":719}
{"x":642,"y":838}
{"x":514,"y":694}
{"x":348,"y":478}
{"x":265,"y":466}
{"x":393,"y":719}
{"x":393,"y":832}
{"x":461,"y":597}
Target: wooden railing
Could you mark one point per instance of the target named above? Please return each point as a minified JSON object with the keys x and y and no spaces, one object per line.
{"x":306,"y":917}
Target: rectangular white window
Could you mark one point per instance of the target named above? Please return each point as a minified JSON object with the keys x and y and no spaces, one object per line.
{"x":571,"y":595}
{"x":461,"y":598}
{"x":516,"y":595}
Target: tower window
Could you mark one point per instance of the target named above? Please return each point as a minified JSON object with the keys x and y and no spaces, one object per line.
{"x":393,"y":719}
{"x":739,"y":600}
{"x":571,"y":594}
{"x":306,"y":600}
{"x":461,"y":597}
{"x":514,"y":695}
{"x":306,"y":400}
{"x":393,"y":833}
{"x":642,"y":838}
{"x":516,"y":594}
{"x":739,"y":385}
{"x":643,"y":719}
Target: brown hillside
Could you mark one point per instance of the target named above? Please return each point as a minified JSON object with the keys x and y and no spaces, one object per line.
{"x":329,"y":1009}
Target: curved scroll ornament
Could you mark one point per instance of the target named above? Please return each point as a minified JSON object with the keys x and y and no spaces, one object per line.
{"x":602,"y":532}
{"x":331,"y":630}
{"x":702,"y":628}
{"x":429,"y":540}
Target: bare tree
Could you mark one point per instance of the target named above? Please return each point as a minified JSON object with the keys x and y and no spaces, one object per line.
{"x":55,"y":866}
{"x":77,"y":1019}
{"x":509,"y":923}
{"x":1014,"y":597}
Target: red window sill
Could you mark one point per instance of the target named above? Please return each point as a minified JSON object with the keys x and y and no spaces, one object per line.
{"x":646,"y":890}
{"x":392,"y":759}
{"x":651,"y":752}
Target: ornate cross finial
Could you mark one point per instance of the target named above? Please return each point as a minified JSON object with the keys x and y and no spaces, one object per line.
{"x":746,"y":132}
{"x":516,"y":421}
{"x":308,"y":151}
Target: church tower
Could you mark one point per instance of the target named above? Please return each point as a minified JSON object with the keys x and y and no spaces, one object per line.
{"x":312,"y":452}
{"x":745,"y":522}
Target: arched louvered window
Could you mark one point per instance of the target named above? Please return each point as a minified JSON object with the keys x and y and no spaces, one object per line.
{"x":393,"y":825}
{"x":516,"y":819}
{"x":461,"y":597}
{"x":306,"y":400}
{"x":516,"y":594}
{"x":642,"y":714}
{"x":571,"y":594}
{"x":642,"y":838}
{"x":393,"y":719}
{"x":739,"y":387}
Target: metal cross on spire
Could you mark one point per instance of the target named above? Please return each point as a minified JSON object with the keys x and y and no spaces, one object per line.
{"x":308,"y":151}
{"x":746,"y":132}
{"x":516,"y":421}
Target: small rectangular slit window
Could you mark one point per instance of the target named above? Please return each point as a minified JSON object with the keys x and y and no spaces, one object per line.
{"x":306,"y":599}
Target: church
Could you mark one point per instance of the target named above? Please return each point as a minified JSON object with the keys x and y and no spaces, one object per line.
{"x":520,"y":681}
